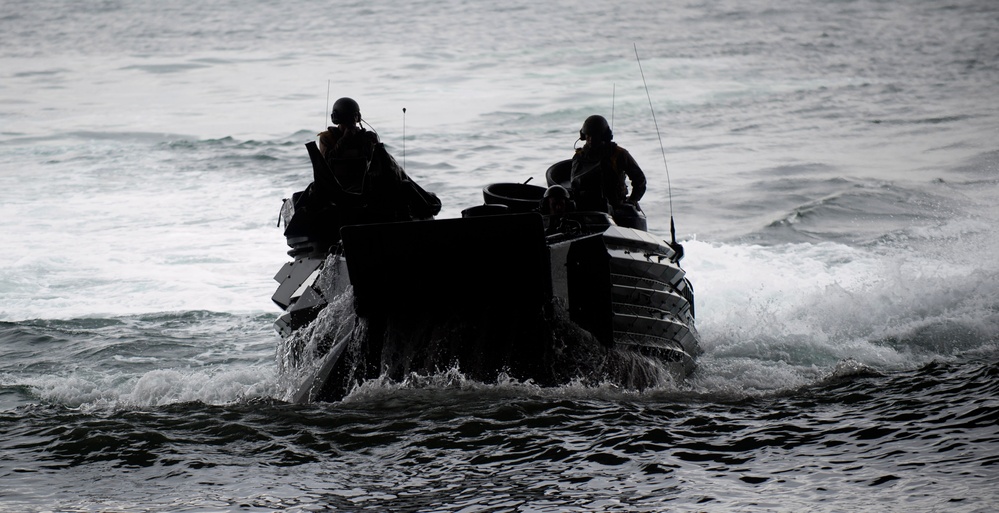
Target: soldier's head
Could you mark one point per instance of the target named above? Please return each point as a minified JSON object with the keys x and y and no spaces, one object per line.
{"x":346,"y":112}
{"x":595,"y":129}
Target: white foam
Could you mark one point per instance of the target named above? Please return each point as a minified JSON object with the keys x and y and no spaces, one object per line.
{"x":104,"y":390}
{"x":776,"y":317}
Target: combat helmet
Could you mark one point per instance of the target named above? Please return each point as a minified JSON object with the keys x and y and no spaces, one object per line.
{"x":346,"y":112}
{"x":556,"y":191}
{"x":596,"y":127}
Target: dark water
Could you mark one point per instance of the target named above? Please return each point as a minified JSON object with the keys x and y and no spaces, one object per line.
{"x":832,"y":168}
{"x":858,"y":440}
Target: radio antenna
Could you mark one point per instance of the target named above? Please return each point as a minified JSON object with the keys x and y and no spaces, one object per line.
{"x":404,"y":137}
{"x":613,"y":98}
{"x":669,"y":187}
{"x":327,"y":113}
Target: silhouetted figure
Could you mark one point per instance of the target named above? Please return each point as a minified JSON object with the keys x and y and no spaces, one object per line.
{"x":599,"y":170}
{"x":363,"y":167}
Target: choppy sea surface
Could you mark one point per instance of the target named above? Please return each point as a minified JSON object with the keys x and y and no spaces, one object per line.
{"x":832,"y":168}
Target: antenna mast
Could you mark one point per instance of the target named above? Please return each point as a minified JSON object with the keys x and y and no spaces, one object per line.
{"x":327,"y":113}
{"x":669,"y":187}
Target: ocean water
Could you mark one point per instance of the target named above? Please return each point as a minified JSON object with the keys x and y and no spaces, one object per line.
{"x":832,"y":168}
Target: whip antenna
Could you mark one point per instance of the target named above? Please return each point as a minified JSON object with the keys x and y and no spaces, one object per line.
{"x":669,"y":187}
{"x":404,"y":137}
{"x":613,"y":98}
{"x":327,"y":113}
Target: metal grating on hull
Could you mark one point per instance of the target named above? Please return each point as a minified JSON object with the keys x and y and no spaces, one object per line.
{"x":641,"y":265}
{"x":658,"y":303}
